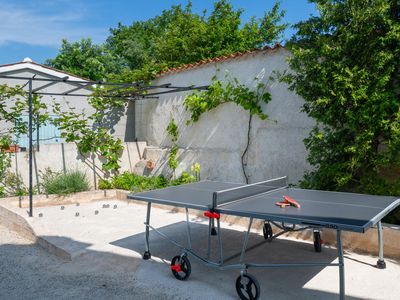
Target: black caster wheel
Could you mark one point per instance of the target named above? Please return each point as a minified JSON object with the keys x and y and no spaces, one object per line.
{"x":180,"y":267}
{"x":213,"y":231}
{"x":380,"y":264}
{"x":247,"y":287}
{"x":267,"y":231}
{"x":317,"y":241}
{"x":146,"y":255}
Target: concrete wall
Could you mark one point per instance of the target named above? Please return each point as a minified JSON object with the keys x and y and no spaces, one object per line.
{"x":60,"y":157}
{"x":120,"y":123}
{"x":218,"y":139}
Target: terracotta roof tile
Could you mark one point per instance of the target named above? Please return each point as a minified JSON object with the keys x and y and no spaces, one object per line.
{"x":217,"y":59}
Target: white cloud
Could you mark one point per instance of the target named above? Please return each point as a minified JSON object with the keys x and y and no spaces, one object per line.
{"x":45,"y":23}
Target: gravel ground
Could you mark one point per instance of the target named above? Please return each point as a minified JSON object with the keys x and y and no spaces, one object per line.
{"x":29,"y":272}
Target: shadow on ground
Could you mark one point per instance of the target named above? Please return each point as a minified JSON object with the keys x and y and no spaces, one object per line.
{"x":277,"y":283}
{"x":29,"y":272}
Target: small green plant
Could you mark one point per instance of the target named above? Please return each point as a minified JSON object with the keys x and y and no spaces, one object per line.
{"x":188,"y":177}
{"x":13,"y":185}
{"x":132,"y":182}
{"x":63,"y":184}
{"x":105,"y":184}
{"x":2,"y":192}
{"x":5,"y":142}
{"x":195,"y":169}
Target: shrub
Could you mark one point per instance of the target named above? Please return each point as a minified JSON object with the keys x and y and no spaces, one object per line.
{"x":2,"y":192}
{"x":105,"y":184}
{"x":184,"y":179}
{"x":62,"y":184}
{"x":137,"y":183}
{"x":13,"y":185}
{"x":132,"y":182}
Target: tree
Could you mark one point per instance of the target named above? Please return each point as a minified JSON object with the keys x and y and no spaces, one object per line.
{"x":346,"y":64}
{"x":86,"y":59}
{"x":179,"y":36}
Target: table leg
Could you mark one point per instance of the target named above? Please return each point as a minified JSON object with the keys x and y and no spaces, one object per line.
{"x":189,"y":234}
{"x":380,"y":264}
{"x":341,"y":264}
{"x":147,"y":254}
{"x":246,"y":240}
{"x":213,"y":230}
{"x":209,"y":239}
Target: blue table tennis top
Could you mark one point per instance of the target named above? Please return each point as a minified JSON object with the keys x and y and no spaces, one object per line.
{"x":337,"y":210}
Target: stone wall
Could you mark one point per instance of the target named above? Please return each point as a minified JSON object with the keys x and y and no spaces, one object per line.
{"x":218,"y":139}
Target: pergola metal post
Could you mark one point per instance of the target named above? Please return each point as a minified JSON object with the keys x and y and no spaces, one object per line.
{"x":139,"y":90}
{"x":30,"y":151}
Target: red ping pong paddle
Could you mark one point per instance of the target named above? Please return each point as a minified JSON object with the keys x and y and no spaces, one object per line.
{"x":288,"y":201}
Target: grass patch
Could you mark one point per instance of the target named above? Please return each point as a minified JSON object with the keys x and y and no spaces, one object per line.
{"x":63,"y":184}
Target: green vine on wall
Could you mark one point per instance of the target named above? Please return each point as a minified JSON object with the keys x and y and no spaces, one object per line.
{"x":172,"y":130}
{"x":223,"y":92}
{"x":230,"y":91}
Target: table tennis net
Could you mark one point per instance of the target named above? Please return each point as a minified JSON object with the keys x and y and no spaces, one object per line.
{"x":230,"y":195}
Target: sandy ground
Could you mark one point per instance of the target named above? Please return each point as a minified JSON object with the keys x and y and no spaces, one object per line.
{"x":107,"y":262}
{"x":29,"y":272}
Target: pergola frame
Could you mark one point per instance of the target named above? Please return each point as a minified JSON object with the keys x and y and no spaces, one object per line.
{"x":139,"y":91}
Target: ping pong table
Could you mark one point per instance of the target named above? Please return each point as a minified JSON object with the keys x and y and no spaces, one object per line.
{"x":319,"y":209}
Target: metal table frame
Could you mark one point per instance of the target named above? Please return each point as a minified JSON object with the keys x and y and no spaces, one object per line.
{"x":221,"y":264}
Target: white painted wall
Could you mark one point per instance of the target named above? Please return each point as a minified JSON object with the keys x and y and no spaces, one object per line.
{"x":218,"y":139}
{"x":60,"y":157}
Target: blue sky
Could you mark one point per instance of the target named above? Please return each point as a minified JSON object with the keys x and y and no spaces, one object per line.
{"x":34,"y":28}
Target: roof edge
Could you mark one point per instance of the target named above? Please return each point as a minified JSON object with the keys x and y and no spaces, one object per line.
{"x":218,"y":59}
{"x":45,"y":67}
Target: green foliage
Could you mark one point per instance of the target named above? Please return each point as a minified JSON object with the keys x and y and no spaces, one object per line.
{"x":12,"y":114}
{"x":14,"y":126}
{"x":172,"y":130}
{"x":233,"y":91}
{"x":180,"y":36}
{"x":230,"y":91}
{"x":188,"y":177}
{"x":346,"y":64}
{"x":63,"y":184}
{"x":12,"y":185}
{"x":132,"y":182}
{"x":137,"y":183}
{"x":86,"y":59}
{"x":5,"y":161}
{"x":105,"y":184}
{"x":177,"y":36}
{"x":91,"y":132}
{"x":2,"y":192}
